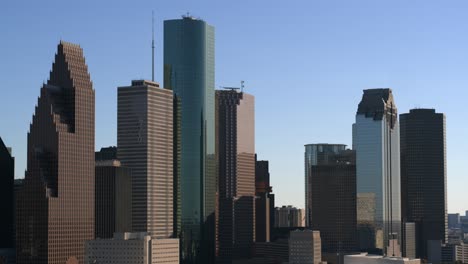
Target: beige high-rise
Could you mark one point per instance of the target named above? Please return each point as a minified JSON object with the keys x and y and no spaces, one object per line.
{"x":145,"y":145}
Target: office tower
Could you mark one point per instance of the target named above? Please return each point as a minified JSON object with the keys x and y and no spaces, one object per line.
{"x":144,"y":144}
{"x":377,"y":144}
{"x":333,"y":200}
{"x":453,"y":221}
{"x":424,"y":175}
{"x":262,"y":177}
{"x":264,"y":204}
{"x":113,"y":195}
{"x":235,"y":142}
{"x":289,"y":216}
{"x":313,"y":155}
{"x":305,"y":247}
{"x":132,"y":248}
{"x":55,"y":213}
{"x":189,"y":54}
{"x":7,"y":175}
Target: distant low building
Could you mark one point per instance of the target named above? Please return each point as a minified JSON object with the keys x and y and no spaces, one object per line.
{"x":289,"y":216}
{"x":453,"y":221}
{"x":447,"y":253}
{"x":365,"y":258}
{"x":132,"y":248}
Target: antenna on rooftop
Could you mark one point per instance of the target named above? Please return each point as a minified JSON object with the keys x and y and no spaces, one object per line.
{"x":234,"y":88}
{"x":152,"y":46}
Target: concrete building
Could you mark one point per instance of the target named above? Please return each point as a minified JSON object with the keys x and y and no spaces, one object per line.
{"x":189,"y":59}
{"x":365,"y":258}
{"x":305,"y":247}
{"x":424,"y":175}
{"x":332,"y":199}
{"x":145,"y":145}
{"x":132,"y":248}
{"x":289,"y":216}
{"x":55,"y":206}
{"x":7,"y":224}
{"x":409,"y":240}
{"x":235,"y":143}
{"x":376,"y":139}
{"x":113,"y":195}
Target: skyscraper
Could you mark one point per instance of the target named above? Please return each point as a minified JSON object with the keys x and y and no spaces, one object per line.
{"x":424,"y":175}
{"x":316,"y":154}
{"x":113,"y":195}
{"x":145,"y":145}
{"x":189,"y":53}
{"x":333,"y":201}
{"x":235,"y":136}
{"x":7,"y":176}
{"x":377,"y":143}
{"x":56,"y":203}
{"x":264,"y":204}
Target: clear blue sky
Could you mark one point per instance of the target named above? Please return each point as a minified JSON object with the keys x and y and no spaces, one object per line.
{"x":306,"y":62}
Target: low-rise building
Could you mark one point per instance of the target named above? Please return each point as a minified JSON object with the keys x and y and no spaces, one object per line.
{"x":132,"y":248}
{"x":305,"y":247}
{"x":365,"y":258}
{"x":289,"y":216}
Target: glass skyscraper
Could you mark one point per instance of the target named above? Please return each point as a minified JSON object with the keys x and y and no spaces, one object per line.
{"x":189,"y":55}
{"x":377,"y":145}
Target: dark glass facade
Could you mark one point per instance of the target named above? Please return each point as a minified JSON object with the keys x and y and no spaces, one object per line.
{"x":264,"y":205}
{"x":7,"y":176}
{"x":55,"y":206}
{"x":235,"y":142}
{"x":316,"y":154}
{"x":333,"y":202}
{"x":424,"y":175}
{"x":113,"y":195}
{"x":189,"y":57}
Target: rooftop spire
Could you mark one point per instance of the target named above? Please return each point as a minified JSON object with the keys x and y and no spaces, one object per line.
{"x":152,"y":46}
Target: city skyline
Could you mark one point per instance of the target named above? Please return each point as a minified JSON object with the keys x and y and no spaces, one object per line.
{"x":292,"y":165}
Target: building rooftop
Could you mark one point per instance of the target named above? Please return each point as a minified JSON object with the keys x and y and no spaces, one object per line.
{"x":325,"y":144}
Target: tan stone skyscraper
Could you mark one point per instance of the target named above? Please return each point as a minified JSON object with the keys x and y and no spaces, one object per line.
{"x":145,"y":144}
{"x":235,"y":142}
{"x":55,"y":213}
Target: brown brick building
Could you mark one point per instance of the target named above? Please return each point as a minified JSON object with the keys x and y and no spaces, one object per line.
{"x":55,"y":213}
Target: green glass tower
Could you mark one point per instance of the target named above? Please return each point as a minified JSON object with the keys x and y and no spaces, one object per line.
{"x":189,"y":73}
